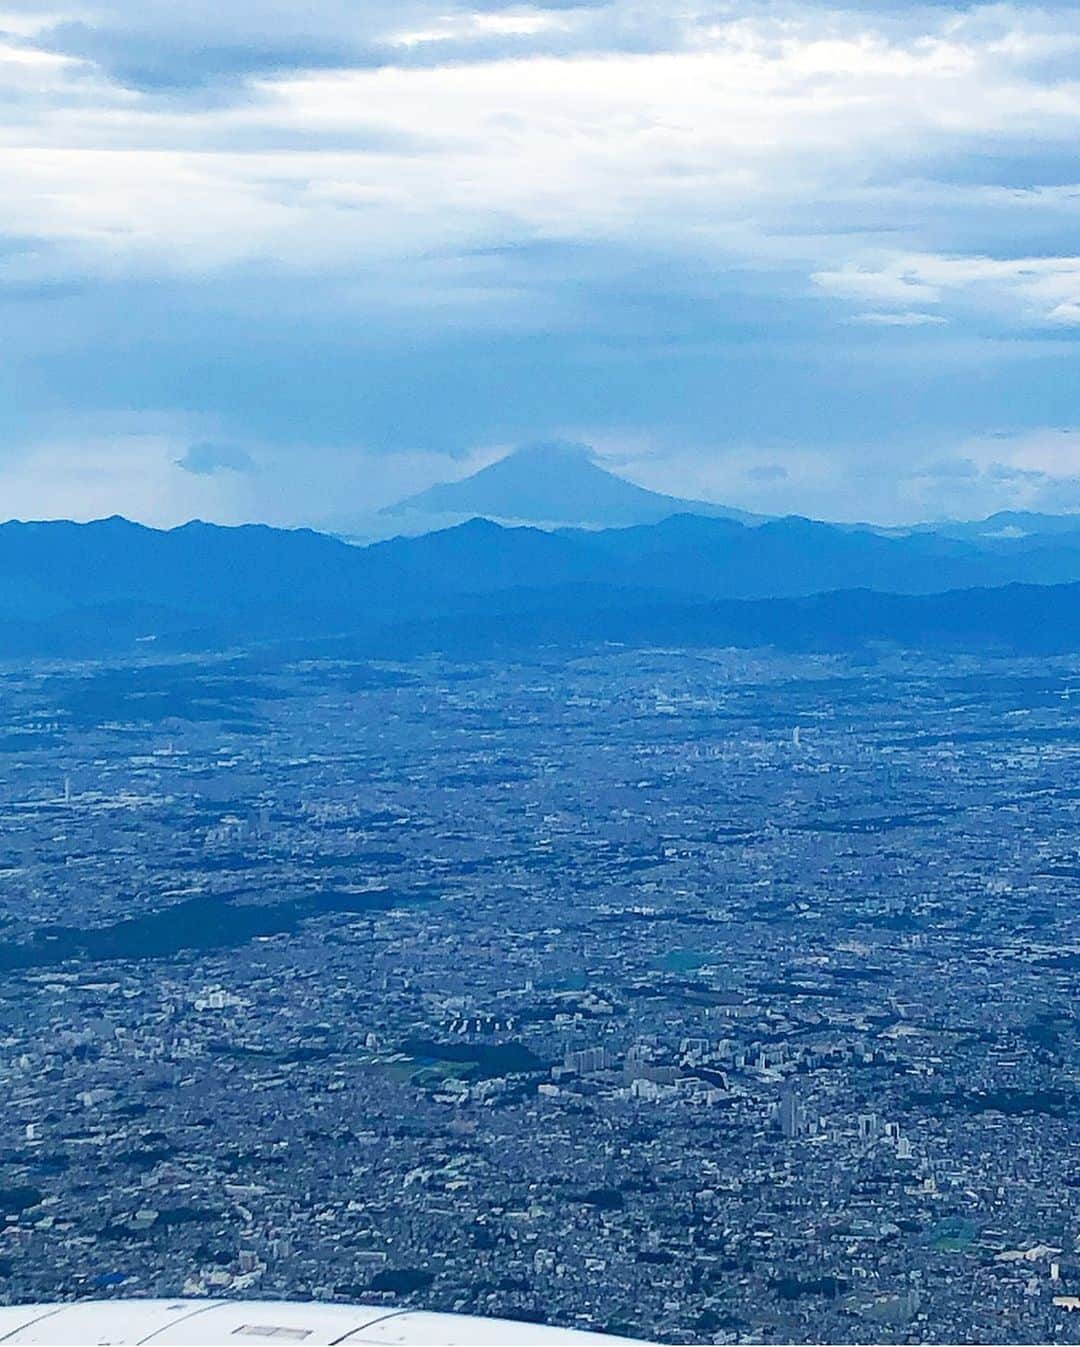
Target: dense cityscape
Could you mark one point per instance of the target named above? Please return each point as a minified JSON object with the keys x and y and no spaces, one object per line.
{"x":715,"y":997}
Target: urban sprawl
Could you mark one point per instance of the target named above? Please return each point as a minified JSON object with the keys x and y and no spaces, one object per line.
{"x":710,"y":997}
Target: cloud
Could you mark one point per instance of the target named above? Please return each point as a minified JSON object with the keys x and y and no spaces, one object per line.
{"x":700,"y":134}
{"x":1032,"y":470}
{"x":950,"y":469}
{"x":86,"y":477}
{"x":1035,"y":469}
{"x":205,"y":459}
{"x":903,"y":318}
{"x":1023,"y":290}
{"x":840,"y":237}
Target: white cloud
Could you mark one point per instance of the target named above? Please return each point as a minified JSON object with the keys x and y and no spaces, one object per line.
{"x":900,"y":167}
{"x":26,"y":23}
{"x":897,"y":283}
{"x":903,"y":318}
{"x":709,"y":147}
{"x":1029,"y":289}
{"x":469,"y":27}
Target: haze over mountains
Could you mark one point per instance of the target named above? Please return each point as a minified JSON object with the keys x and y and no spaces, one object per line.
{"x":547,"y":484}
{"x":108,"y":586}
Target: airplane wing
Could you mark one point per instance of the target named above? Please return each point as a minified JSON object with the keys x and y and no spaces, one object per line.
{"x":248,"y":1323}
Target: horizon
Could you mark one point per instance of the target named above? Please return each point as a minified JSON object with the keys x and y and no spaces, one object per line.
{"x":469,"y":516}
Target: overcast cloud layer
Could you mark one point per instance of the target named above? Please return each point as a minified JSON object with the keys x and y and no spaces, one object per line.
{"x":287,"y":262}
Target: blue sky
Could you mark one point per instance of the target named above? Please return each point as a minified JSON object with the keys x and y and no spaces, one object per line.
{"x":290,"y":262}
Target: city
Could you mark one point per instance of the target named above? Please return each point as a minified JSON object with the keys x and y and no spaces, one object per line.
{"x":723,"y":996}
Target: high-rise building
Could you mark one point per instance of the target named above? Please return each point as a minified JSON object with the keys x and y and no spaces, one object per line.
{"x":586,"y":1060}
{"x":792,"y":1115}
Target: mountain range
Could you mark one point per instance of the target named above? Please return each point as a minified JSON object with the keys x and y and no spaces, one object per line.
{"x":106,"y":586}
{"x":564,"y":485}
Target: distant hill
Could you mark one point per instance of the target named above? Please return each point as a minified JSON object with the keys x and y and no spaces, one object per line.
{"x":86,"y":589}
{"x":1007,"y":526}
{"x":1015,"y":619}
{"x":692,"y":557}
{"x":552,"y":484}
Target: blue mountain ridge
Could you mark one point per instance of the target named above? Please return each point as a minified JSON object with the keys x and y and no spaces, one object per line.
{"x":88,"y":588}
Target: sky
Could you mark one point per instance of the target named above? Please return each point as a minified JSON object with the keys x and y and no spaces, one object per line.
{"x":290,"y":262}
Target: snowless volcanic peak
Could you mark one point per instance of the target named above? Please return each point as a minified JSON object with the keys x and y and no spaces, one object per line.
{"x":554,"y":483}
